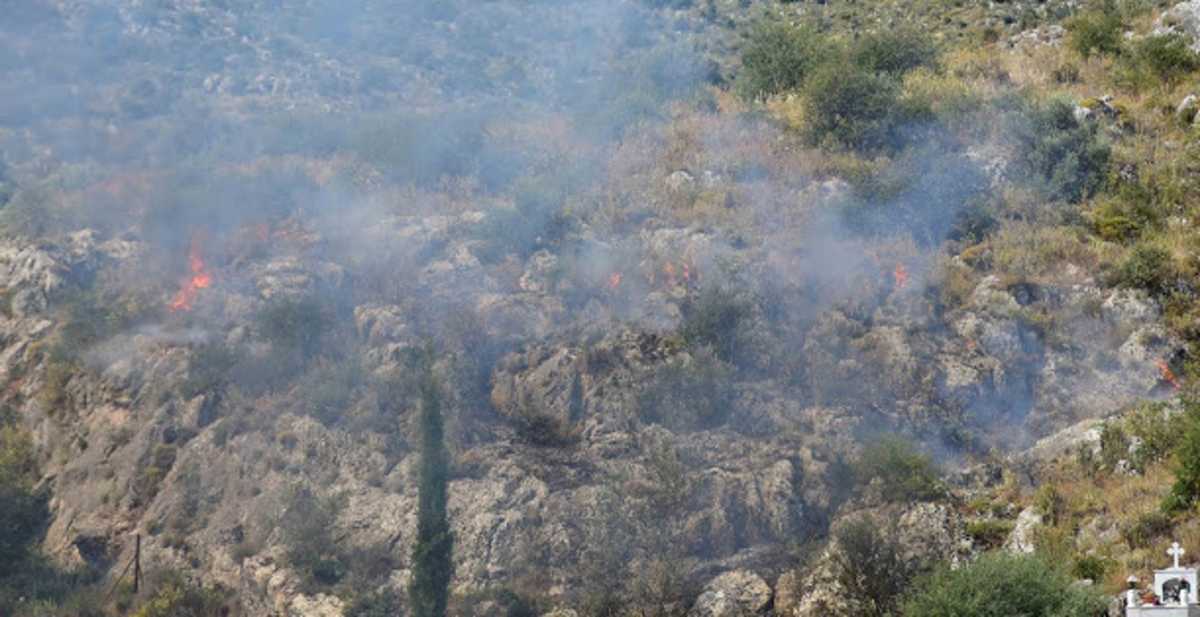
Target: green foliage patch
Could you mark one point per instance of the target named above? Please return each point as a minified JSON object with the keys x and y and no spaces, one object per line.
{"x":905,"y":474}
{"x":1002,"y":585}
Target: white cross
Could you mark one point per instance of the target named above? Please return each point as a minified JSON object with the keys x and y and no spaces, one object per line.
{"x":1176,"y":551}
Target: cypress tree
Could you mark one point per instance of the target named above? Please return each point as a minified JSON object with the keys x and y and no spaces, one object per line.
{"x":432,"y":565}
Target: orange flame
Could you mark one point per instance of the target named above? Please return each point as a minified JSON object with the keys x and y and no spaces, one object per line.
{"x":200,"y":279}
{"x":669,"y":271}
{"x":901,"y":276}
{"x":1167,"y":374}
{"x":614,"y":281}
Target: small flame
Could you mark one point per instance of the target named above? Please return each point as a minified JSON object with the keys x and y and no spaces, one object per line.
{"x":200,"y":279}
{"x":614,"y":281}
{"x":669,"y":271}
{"x":1167,"y":374}
{"x":901,"y":276}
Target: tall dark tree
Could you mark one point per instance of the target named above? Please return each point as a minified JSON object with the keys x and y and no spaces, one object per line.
{"x":432,"y":564}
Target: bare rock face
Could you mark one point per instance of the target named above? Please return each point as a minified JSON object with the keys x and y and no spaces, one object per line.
{"x":733,"y":594}
{"x":1021,"y":539}
{"x":1183,"y":18}
{"x":926,"y":533}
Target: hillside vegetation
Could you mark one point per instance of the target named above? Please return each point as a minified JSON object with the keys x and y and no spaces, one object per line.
{"x":665,"y":307}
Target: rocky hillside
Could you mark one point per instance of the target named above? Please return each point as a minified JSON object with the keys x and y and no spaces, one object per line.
{"x":723,"y":304}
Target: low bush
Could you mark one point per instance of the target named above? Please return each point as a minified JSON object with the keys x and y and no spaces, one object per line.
{"x":989,"y":533}
{"x":307,"y":526}
{"x":1186,"y":489}
{"x":894,"y":52}
{"x":1123,"y":220}
{"x":208,"y":369}
{"x":175,"y":597}
{"x":1098,"y":30}
{"x":1143,"y":529}
{"x":1156,"y":432}
{"x":1147,"y":267}
{"x":870,"y":567}
{"x":25,"y":511}
{"x":717,"y":318}
{"x":1062,"y":157}
{"x":1001,"y":585}
{"x":153,"y":471}
{"x":498,"y":602}
{"x":295,"y":325}
{"x":853,"y":107}
{"x":1050,"y":503}
{"x":904,"y":472}
{"x":779,"y":57}
{"x":386,"y":603}
{"x":329,"y":389}
{"x":537,"y":220}
{"x":1090,"y":567}
{"x":686,"y":395}
{"x":1164,"y":59}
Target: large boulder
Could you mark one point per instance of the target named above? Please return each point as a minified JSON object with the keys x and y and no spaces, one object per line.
{"x":733,"y":594}
{"x":1183,"y":18}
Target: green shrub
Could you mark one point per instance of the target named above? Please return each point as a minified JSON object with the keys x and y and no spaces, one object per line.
{"x":1061,"y":156}
{"x":432,"y":555}
{"x":329,"y":389}
{"x":1002,"y":585}
{"x":779,"y":57}
{"x":177,"y":598}
{"x":989,"y":533}
{"x":208,"y":369}
{"x":871,"y":567}
{"x":307,"y":526}
{"x":1049,"y":503}
{"x":1186,"y":489}
{"x":500,"y":602}
{"x":904,"y":472}
{"x":1122,"y":220}
{"x":295,"y":325}
{"x":23,"y":516}
{"x":895,"y":52}
{"x":853,"y":107}
{"x":717,"y":318}
{"x":1157,"y":433}
{"x":1096,"y":31}
{"x":1145,"y":528}
{"x":153,"y":471}
{"x":1090,"y":567}
{"x":686,"y":395}
{"x":419,"y":148}
{"x":1166,"y":58}
{"x":538,"y":219}
{"x":377,"y":604}
{"x":1147,"y":267}
{"x":18,"y":465}
{"x":1114,"y":445}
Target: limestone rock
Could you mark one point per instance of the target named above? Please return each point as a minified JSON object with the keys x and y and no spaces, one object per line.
{"x":1021,"y":540}
{"x":787,"y":593}
{"x":321,"y":605}
{"x":680,"y":180}
{"x":1186,"y":110}
{"x":1182,"y":18}
{"x":733,"y":594}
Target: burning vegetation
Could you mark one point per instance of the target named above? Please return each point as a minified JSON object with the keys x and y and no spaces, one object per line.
{"x":200,"y":278}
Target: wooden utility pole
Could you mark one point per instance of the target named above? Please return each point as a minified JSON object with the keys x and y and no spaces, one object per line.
{"x":137,"y":563}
